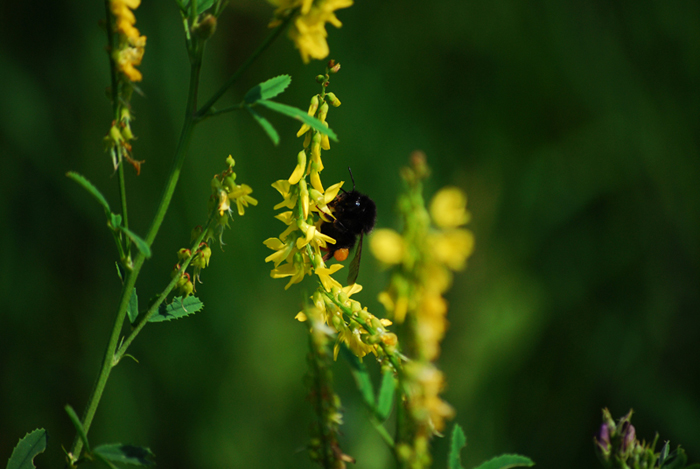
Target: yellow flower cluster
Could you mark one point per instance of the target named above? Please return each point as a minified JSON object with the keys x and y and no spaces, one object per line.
{"x":118,"y":140}
{"x":299,"y":248}
{"x":224,"y":192}
{"x":130,"y":49}
{"x":359,"y":329}
{"x":308,"y":29}
{"x":432,"y":246}
{"x":432,"y":254}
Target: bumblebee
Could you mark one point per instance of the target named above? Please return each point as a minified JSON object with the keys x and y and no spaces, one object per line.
{"x":355,"y":215}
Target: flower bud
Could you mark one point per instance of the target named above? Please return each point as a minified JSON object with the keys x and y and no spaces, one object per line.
{"x":602,"y":441}
{"x":126,"y":132}
{"x":628,"y":434}
{"x":187,"y":288}
{"x":300,"y":168}
{"x":205,"y":253}
{"x":323,"y":112}
{"x":183,"y":254}
{"x":333,"y":67}
{"x":229,"y":182}
{"x":333,"y":99}
{"x":206,"y":28}
{"x":338,"y":323}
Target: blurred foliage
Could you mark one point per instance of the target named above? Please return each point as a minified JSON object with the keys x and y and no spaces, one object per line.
{"x":573,"y":126}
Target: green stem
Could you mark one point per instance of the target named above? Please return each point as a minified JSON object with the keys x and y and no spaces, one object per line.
{"x":191,"y":115}
{"x":125,"y":256}
{"x":209,"y":114}
{"x":382,"y":431}
{"x":108,"y":359}
{"x":163,"y":295}
{"x":266,"y":43}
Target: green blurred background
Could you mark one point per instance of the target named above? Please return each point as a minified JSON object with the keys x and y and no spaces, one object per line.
{"x":573,"y":126}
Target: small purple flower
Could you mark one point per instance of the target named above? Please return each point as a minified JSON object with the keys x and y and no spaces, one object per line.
{"x":602,"y":441}
{"x":628,"y":437}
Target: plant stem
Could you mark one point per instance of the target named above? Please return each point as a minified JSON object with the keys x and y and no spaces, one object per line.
{"x":108,"y":359}
{"x":191,"y":116}
{"x":265,"y":44}
{"x":153,"y":308}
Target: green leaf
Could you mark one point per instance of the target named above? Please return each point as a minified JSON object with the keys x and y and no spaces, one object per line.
{"x":115,"y":220}
{"x":265,"y":124}
{"x":128,"y":454}
{"x":202,"y":6}
{"x":27,"y":449}
{"x":361,"y":376}
{"x":506,"y":461}
{"x":119,"y":271}
{"x":300,"y":115}
{"x":78,"y":425}
{"x":675,"y":460}
{"x":133,"y":308}
{"x":87,"y":185}
{"x":458,"y":441}
{"x":179,"y":308}
{"x":386,"y":395}
{"x":268,"y":89}
{"x":139,"y":242}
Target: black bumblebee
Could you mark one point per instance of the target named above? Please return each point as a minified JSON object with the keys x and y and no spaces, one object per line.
{"x":355,"y":214}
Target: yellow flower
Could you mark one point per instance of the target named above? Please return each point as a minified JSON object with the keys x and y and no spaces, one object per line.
{"x":324,"y":274}
{"x":452,"y":247}
{"x":129,"y":57}
{"x":224,"y":204}
{"x":296,"y":270}
{"x":298,"y":172}
{"x":285,"y":189}
{"x":313,"y":107}
{"x":449,"y":208}
{"x":353,"y":339}
{"x":427,"y":383}
{"x":387,"y":246}
{"x":240,"y":194}
{"x":283,"y":250}
{"x":132,"y":45}
{"x":308,"y":30}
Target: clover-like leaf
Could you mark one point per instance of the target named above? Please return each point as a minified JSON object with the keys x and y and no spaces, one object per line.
{"x":361,"y":376}
{"x":458,"y":441}
{"x":27,"y":449}
{"x":265,"y":124}
{"x":299,"y":115}
{"x":139,"y":242}
{"x":132,"y":310}
{"x":128,"y":454}
{"x":386,"y":395}
{"x":179,"y":308}
{"x":506,"y":461}
{"x":268,"y":89}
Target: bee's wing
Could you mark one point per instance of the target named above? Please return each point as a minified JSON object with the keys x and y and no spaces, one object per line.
{"x":355,"y":264}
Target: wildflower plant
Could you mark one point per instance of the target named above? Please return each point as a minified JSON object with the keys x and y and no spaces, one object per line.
{"x":617,"y":447}
{"x":423,"y":257}
{"x":126,"y":48}
{"x":334,"y":317}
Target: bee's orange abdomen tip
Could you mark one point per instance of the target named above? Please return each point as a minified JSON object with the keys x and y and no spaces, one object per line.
{"x":341,"y":254}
